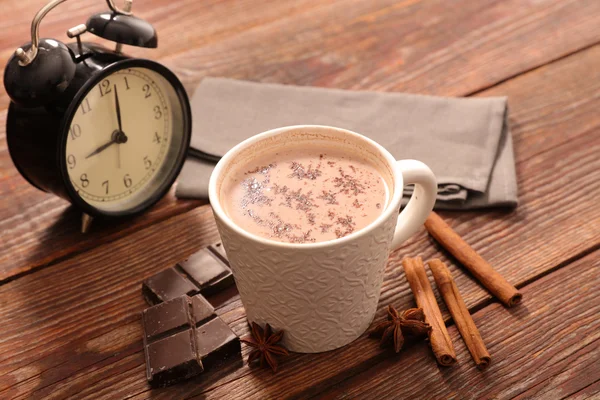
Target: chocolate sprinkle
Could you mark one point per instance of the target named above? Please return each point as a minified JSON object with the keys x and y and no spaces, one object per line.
{"x":300,"y":172}
{"x":348,"y":184}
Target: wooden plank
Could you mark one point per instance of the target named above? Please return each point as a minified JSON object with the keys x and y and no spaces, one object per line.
{"x":177,"y":32}
{"x":578,"y":371}
{"x":32,"y":219}
{"x":547,"y":349}
{"x":51,"y":229}
{"x":39,"y":336}
{"x":431,"y":47}
{"x":590,"y":392}
{"x":540,"y":114}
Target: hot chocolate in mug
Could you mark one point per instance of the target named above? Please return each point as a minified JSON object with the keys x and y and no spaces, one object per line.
{"x":323,"y":295}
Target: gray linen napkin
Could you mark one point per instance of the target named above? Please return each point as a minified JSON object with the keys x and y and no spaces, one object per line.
{"x":465,"y":141}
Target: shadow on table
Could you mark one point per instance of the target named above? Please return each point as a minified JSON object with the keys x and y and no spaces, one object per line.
{"x":63,"y":236}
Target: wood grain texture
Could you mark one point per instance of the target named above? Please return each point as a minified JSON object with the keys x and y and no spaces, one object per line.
{"x":551,"y":340}
{"x":432,"y":47}
{"x":590,"y":392}
{"x":356,"y":44}
{"x":51,"y":229}
{"x":212,"y":21}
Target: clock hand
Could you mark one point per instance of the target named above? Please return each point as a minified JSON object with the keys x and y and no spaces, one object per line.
{"x":118,"y":109}
{"x":119,"y":157}
{"x":117,"y":137}
{"x":123,"y":137}
{"x":101,"y":148}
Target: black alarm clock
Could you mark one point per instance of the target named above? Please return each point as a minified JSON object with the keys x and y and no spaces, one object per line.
{"x":104,"y":131}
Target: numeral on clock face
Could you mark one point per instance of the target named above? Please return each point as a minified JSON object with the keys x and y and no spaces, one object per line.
{"x":104,"y":87}
{"x":106,"y":164}
{"x":157,"y":112}
{"x":85,"y":106}
{"x":147,"y":162}
{"x":84,"y":180}
{"x":71,"y":161}
{"x":75,"y":131}
{"x":127,"y":181}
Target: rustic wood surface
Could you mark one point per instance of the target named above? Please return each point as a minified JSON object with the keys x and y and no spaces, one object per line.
{"x":70,"y":304}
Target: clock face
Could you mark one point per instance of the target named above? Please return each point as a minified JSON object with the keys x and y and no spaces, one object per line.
{"x":124,"y":139}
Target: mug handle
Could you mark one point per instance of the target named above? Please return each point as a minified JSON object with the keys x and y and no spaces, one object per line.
{"x":420,"y":205}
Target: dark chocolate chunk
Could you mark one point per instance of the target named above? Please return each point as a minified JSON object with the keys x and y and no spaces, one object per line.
{"x":207,"y":271}
{"x":202,"y":310}
{"x":166,"y":317}
{"x":172,"y":359}
{"x":170,"y":342}
{"x":216,"y":343}
{"x":180,"y":334}
{"x":219,"y":250}
{"x":167,"y":285}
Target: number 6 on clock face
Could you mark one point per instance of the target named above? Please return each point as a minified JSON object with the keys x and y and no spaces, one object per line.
{"x":127,"y":135}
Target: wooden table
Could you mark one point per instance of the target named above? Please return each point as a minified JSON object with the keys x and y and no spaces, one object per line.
{"x":70,"y":303}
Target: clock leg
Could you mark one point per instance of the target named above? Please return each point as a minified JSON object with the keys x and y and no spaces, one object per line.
{"x":86,"y":221}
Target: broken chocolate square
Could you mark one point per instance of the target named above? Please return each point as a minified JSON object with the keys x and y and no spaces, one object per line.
{"x":207,"y":271}
{"x":172,"y":359}
{"x":167,"y":285}
{"x":202,"y":310}
{"x":166,"y":317}
{"x":216,"y":343}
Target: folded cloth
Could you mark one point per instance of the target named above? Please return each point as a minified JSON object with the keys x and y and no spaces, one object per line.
{"x":465,"y":141}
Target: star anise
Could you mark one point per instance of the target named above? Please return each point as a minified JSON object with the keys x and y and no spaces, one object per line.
{"x":410,"y":323}
{"x":264,"y":343}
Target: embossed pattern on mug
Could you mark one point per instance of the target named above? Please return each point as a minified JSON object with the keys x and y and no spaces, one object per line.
{"x":304,"y":195}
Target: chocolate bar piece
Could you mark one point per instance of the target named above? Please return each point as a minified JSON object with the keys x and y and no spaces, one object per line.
{"x":170,"y":343}
{"x":202,"y":310}
{"x":216,"y":343}
{"x":203,"y":272}
{"x":207,"y":271}
{"x":167,"y":317}
{"x":219,"y":250}
{"x":180,"y":335}
{"x":176,"y":314}
{"x":172,"y":359}
{"x":167,"y":285}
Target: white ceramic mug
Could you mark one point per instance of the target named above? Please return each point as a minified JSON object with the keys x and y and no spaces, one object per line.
{"x":325,"y":294}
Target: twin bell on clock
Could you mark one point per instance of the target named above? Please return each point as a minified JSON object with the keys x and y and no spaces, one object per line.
{"x":107,"y":132}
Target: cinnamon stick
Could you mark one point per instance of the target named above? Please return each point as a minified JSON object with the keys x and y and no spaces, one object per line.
{"x":460,"y":313}
{"x":421,"y":288}
{"x":483,"y":272}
